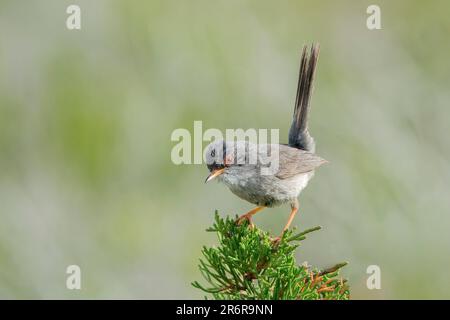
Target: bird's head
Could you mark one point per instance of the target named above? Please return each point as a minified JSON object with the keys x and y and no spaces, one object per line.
{"x":221,"y":155}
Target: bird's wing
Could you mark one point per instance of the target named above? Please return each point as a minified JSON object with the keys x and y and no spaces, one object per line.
{"x":293,"y":161}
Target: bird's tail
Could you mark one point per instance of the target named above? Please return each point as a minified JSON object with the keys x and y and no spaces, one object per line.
{"x":299,"y":136}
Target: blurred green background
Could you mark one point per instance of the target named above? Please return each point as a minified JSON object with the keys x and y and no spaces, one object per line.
{"x":86,"y":118}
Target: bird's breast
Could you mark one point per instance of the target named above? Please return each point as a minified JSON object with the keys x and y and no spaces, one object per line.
{"x":264,"y":190}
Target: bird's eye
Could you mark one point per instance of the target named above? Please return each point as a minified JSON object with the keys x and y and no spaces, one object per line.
{"x":213,"y":153}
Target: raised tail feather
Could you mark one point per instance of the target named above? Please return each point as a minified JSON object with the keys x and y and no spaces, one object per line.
{"x":299,"y":136}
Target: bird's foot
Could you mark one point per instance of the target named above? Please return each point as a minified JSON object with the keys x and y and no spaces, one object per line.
{"x":245,"y":217}
{"x":276,"y":241}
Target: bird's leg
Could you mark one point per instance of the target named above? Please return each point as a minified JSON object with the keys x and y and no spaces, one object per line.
{"x":248,"y":216}
{"x":294,"y":210}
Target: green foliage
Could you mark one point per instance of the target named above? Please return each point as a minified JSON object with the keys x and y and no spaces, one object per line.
{"x":247,"y":264}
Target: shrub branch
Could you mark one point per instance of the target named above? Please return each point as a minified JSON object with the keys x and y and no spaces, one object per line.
{"x":247,"y":265}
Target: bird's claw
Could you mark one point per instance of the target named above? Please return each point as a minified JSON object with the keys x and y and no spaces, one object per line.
{"x":241,"y":219}
{"x":276,"y":241}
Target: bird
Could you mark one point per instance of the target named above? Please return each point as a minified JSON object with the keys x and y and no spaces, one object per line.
{"x":229,"y":161}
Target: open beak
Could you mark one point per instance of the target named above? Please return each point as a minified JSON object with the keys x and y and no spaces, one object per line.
{"x":214,"y":174}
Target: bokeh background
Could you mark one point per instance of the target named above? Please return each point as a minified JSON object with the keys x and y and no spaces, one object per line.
{"x":86,"y":119}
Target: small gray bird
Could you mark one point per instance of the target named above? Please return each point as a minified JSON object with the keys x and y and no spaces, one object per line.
{"x":231,"y":161}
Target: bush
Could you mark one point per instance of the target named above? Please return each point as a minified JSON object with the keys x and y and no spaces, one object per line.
{"x":247,"y":264}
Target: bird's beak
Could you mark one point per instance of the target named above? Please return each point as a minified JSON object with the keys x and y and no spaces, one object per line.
{"x":214,"y":174}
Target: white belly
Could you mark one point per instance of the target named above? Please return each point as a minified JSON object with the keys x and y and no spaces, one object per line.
{"x":267,"y":190}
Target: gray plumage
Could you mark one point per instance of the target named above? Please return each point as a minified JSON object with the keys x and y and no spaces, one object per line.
{"x":299,"y":136}
{"x":232,"y":162}
{"x":294,"y":161}
{"x":245,"y":179}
